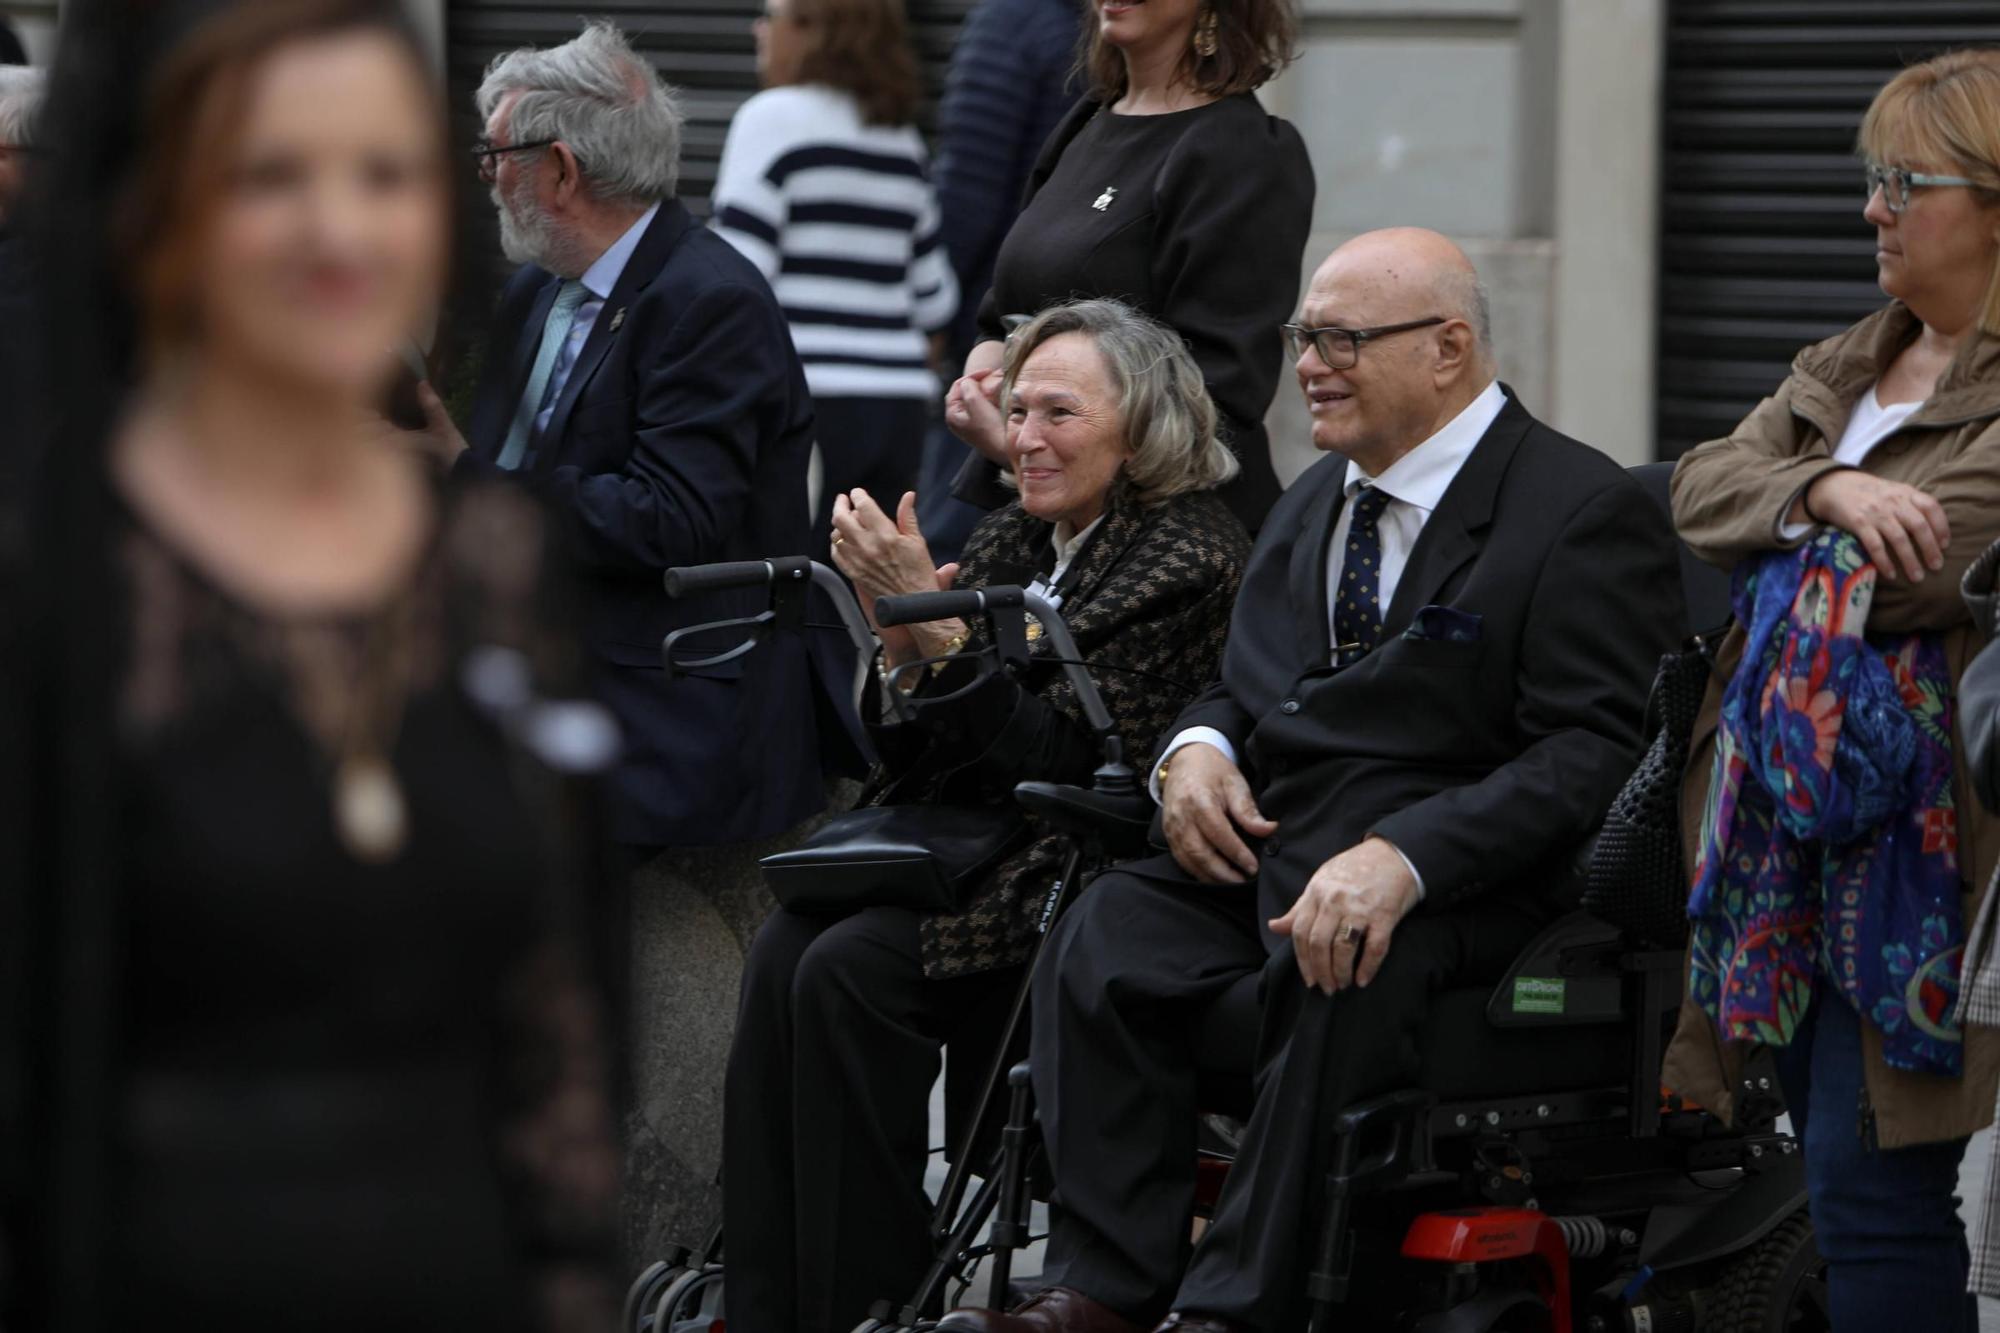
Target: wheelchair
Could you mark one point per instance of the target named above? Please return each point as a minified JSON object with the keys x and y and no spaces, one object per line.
{"x":1534,"y":1180}
{"x":1106,"y":822}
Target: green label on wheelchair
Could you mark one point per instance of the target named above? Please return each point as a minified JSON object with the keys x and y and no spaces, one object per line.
{"x":1538,"y":995}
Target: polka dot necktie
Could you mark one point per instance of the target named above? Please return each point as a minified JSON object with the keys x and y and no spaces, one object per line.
{"x":1357,"y":606}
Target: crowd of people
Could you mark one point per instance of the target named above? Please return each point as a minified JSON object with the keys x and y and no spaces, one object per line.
{"x":336,"y":722}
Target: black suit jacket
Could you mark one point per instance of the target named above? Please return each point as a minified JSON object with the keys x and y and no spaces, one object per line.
{"x":680,"y":437}
{"x":1485,"y":760}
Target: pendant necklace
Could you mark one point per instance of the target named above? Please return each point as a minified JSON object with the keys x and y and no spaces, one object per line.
{"x":370,"y":815}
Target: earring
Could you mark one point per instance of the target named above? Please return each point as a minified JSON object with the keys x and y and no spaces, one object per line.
{"x":1204,"y":35}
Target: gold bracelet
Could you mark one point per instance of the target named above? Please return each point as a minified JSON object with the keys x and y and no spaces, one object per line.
{"x":951,"y":647}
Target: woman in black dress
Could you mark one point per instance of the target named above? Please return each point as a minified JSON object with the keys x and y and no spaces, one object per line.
{"x":1169,"y":188}
{"x":296,"y":1034}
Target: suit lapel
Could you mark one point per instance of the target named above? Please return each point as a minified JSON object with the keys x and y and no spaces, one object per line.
{"x":1457,"y":527}
{"x":640,"y":270}
{"x":1307,"y":576}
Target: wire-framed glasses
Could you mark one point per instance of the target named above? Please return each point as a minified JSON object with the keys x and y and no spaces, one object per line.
{"x":1341,"y":348}
{"x":1895,"y":183}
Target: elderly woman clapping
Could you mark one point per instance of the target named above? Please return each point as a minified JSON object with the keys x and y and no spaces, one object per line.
{"x":1112,"y":442}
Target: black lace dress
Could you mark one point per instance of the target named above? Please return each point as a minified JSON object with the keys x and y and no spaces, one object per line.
{"x":348,"y":1095}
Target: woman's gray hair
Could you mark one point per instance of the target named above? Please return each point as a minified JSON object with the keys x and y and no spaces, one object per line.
{"x":1163,"y":405}
{"x":21,"y":89}
{"x":596,"y":94}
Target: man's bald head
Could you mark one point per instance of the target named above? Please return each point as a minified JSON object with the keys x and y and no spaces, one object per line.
{"x":1404,"y":384}
{"x":1425,"y":268}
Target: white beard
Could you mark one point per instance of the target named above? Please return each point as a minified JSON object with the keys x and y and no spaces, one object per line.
{"x":528,"y":235}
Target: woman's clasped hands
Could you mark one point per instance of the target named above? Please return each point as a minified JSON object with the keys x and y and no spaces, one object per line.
{"x":885,"y":557}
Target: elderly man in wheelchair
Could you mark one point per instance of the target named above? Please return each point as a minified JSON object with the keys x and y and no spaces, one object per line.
{"x":1433,"y":686}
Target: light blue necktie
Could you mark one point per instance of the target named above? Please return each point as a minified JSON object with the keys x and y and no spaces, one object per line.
{"x":555,"y":332}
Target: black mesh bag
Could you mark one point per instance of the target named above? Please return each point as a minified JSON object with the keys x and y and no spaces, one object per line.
{"x":1637,"y":879}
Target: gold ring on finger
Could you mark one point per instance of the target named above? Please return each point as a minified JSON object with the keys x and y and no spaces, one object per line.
{"x":1345,"y":934}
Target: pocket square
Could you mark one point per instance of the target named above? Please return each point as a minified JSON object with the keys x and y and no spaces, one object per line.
{"x":1444,"y":624}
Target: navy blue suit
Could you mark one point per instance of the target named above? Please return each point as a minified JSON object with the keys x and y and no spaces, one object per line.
{"x":680,"y":437}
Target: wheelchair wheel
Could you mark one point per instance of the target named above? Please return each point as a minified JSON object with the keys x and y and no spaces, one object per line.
{"x":694,"y":1297}
{"x":1779,"y":1286}
{"x":645,"y":1290}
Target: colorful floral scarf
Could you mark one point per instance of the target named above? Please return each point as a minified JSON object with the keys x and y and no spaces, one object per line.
{"x":1829,"y":843}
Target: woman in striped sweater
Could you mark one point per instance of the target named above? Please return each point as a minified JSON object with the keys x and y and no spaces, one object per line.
{"x":825,"y":186}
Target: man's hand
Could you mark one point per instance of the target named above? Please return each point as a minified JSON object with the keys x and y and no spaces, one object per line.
{"x":1203,"y":801}
{"x":1349,"y":909}
{"x":1899,"y":526}
{"x":439,"y":440}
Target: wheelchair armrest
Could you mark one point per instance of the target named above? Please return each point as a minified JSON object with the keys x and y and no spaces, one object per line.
{"x":1569,"y":974}
{"x":1404,"y":1117}
{"x":1119,"y":819}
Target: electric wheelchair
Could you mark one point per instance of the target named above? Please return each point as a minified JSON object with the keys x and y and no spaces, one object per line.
{"x":1535,"y":1180}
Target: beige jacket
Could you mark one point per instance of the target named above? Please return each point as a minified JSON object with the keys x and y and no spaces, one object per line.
{"x":1730,"y":496}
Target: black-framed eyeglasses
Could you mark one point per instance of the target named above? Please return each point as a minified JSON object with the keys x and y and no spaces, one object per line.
{"x":487,"y":153}
{"x":1341,"y":348}
{"x":1895,"y":183}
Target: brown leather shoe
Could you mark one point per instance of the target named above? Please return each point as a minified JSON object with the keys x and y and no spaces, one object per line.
{"x":1056,"y":1310}
{"x":1178,"y":1322}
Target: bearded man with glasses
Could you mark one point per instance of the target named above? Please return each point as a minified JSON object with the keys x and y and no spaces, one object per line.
{"x":1432,"y":689}
{"x":640,"y":380}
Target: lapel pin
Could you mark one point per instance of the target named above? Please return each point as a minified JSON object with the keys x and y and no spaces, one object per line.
{"x":1103,"y":201}
{"x":617,"y":318}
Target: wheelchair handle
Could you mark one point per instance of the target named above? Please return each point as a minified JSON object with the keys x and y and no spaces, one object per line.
{"x":687,"y":580}
{"x":913,"y":607}
{"x":965,"y":603}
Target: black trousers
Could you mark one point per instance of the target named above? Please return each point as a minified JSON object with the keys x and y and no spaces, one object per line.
{"x":1126,"y":976}
{"x":826,"y":1118}
{"x":874,"y":443}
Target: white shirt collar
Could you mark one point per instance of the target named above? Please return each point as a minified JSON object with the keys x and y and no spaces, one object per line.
{"x":1068,"y":541}
{"x":1421,"y":477}
{"x":602,"y":276}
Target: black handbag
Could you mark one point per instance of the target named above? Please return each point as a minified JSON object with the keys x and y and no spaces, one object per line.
{"x":926,"y":857}
{"x":1637,"y":878}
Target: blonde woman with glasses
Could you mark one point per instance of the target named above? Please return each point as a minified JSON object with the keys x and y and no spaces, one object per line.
{"x":1889,"y":432}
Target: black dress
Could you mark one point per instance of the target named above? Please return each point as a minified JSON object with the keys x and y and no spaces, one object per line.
{"x":344,"y":1095}
{"x":1196,"y":217}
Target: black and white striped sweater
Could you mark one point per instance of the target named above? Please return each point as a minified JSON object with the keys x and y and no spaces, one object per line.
{"x":841,"y":218}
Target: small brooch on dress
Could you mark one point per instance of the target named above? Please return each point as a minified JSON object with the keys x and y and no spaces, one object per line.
{"x":1103,"y":201}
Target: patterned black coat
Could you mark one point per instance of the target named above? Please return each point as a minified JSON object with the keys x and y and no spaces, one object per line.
{"x":1148,"y":600}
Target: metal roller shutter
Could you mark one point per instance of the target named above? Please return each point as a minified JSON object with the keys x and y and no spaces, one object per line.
{"x":702,"y":47}
{"x":1762,"y":245}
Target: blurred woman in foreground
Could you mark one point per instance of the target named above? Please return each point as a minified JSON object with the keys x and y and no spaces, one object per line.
{"x":302,"y":1040}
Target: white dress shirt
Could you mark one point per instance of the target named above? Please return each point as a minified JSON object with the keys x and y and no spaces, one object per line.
{"x":1414,"y":483}
{"x":598,"y":280}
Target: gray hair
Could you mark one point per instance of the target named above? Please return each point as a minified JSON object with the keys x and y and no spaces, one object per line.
{"x":1464,"y":295}
{"x":1168,"y":418}
{"x":596,"y":94}
{"x":21,"y":88}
